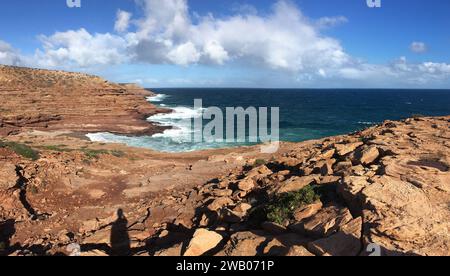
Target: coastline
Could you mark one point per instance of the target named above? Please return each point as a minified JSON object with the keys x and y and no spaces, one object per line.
{"x":387,"y":185}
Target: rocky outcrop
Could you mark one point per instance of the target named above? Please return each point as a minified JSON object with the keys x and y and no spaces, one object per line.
{"x":57,"y":100}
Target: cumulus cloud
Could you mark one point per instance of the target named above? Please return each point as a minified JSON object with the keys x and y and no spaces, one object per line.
{"x":122,"y":21}
{"x":81,"y":49}
{"x":281,"y":41}
{"x":418,"y":47}
{"x":8,"y":55}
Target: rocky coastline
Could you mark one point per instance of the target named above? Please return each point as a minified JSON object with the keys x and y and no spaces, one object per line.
{"x":386,"y":187}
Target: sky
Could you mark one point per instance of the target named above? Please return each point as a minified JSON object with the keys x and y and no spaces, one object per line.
{"x":235,"y":43}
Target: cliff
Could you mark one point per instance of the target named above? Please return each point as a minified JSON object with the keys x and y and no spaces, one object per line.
{"x":57,"y":100}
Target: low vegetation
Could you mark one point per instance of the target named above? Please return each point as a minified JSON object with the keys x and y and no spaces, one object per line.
{"x":282,"y":208}
{"x":21,"y":149}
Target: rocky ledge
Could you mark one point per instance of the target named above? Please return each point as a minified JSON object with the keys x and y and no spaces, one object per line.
{"x":383,"y":190}
{"x":80,"y":103}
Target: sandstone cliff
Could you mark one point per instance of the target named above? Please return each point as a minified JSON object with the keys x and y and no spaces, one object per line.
{"x":57,"y":100}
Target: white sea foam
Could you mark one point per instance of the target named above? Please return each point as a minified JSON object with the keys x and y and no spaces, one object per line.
{"x":157,"y":98}
{"x":178,"y":138}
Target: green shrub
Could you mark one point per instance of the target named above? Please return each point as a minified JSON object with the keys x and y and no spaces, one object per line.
{"x":283,"y":207}
{"x":58,"y":148}
{"x":21,"y":149}
{"x":94,"y":154}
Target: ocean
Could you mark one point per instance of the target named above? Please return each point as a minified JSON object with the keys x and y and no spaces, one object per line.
{"x":305,"y":114}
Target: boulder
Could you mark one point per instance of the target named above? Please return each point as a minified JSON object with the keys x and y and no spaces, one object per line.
{"x":246,"y":185}
{"x":222,"y":193}
{"x":219,"y":203}
{"x":343,"y":168}
{"x":282,"y":244}
{"x":350,"y":189}
{"x":244,"y":244}
{"x":324,"y":167}
{"x":367,"y":156}
{"x":296,"y":183}
{"x":346,"y":242}
{"x":242,"y":207}
{"x":8,"y":176}
{"x":328,"y":154}
{"x":307,"y":211}
{"x":298,"y":251}
{"x":344,"y":149}
{"x":325,"y":223}
{"x":202,"y":242}
{"x":273,"y":228}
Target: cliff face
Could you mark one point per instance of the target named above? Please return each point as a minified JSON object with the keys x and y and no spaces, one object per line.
{"x":57,"y":100}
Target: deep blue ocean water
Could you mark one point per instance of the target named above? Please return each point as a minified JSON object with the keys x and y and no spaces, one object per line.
{"x":304,"y":113}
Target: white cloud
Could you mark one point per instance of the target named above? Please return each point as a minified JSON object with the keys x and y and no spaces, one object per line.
{"x":81,"y":49}
{"x":418,"y":47}
{"x":282,"y":42}
{"x":122,"y":21}
{"x":184,"y":54}
{"x":283,"y":39}
{"x":8,"y":55}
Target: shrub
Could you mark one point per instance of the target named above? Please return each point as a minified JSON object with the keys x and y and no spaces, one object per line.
{"x":58,"y":148}
{"x":21,"y":149}
{"x":283,"y":207}
{"x":94,"y":154}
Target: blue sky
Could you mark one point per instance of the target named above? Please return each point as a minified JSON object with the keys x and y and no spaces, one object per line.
{"x":251,"y":43}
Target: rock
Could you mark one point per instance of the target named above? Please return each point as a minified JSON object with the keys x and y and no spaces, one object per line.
{"x":219,"y":203}
{"x":8,"y":176}
{"x":202,"y":242}
{"x":174,"y":251}
{"x":222,"y":193}
{"x":296,"y":183}
{"x":298,"y":251}
{"x":344,"y":149}
{"x":328,"y":154}
{"x":367,"y":156}
{"x":282,"y":244}
{"x":242,"y":208}
{"x":230,"y":216}
{"x":329,"y":180}
{"x":346,"y":242}
{"x":273,"y":228}
{"x":324,"y":167}
{"x":405,"y":218}
{"x":244,"y":244}
{"x":246,"y":185}
{"x":307,"y":211}
{"x":343,"y":168}
{"x":259,"y":172}
{"x":325,"y":223}
{"x":350,"y":190}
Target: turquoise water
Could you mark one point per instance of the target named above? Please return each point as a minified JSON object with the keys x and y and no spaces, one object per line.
{"x":304,"y":114}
